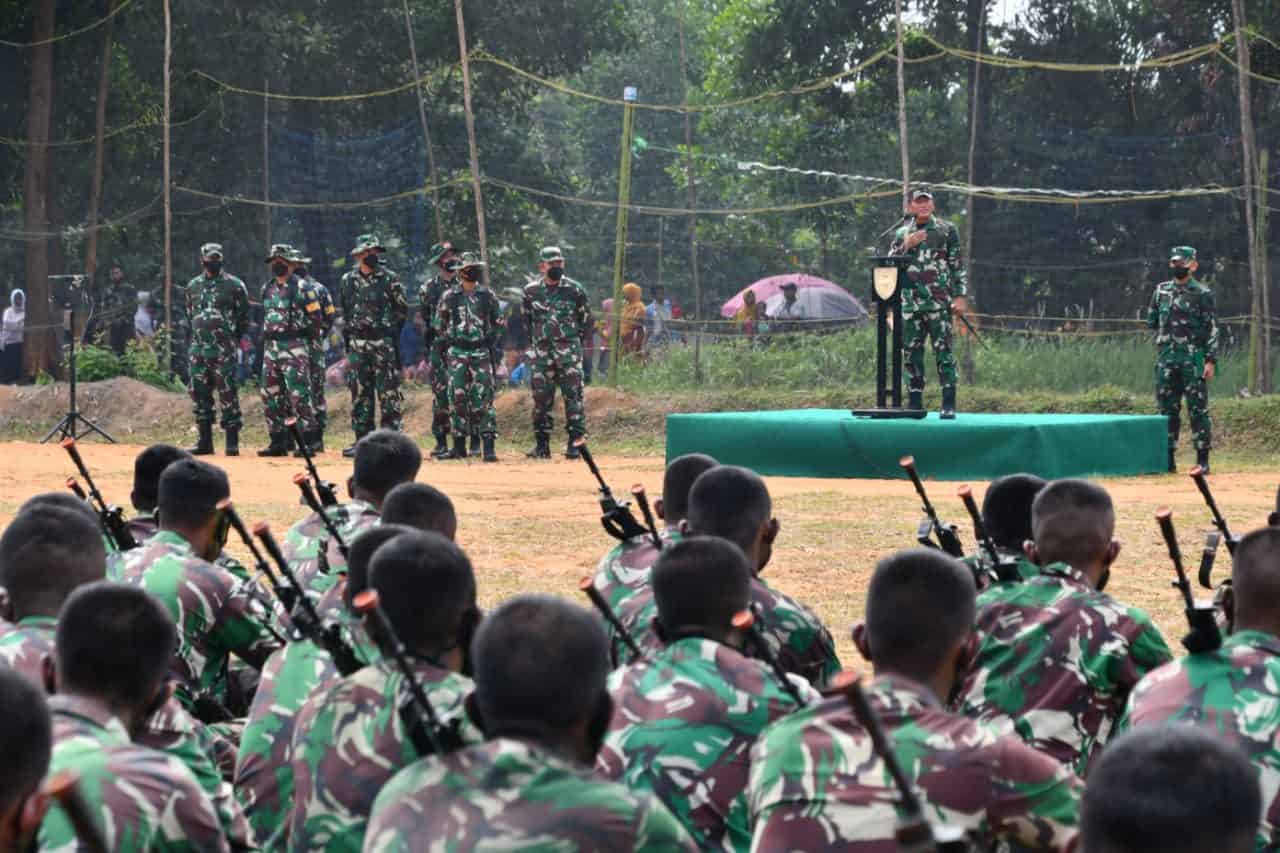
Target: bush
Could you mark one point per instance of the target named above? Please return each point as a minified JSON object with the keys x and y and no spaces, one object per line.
{"x":141,"y":361}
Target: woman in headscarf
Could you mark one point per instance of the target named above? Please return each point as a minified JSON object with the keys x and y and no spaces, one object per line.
{"x":15,"y":318}
{"x":632,"y":320}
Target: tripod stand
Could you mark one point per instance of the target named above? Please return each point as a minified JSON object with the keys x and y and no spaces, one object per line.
{"x":69,"y":426}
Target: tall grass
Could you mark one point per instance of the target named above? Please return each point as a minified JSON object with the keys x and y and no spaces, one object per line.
{"x":1008,"y":362}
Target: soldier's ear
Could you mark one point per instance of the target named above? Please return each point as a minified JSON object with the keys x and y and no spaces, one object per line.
{"x":1113,"y":551}
{"x":684,"y":527}
{"x":771,"y":532}
{"x":1031,"y":552}
{"x":658,"y":509}
{"x":6,"y":607}
{"x":49,"y":673}
{"x":1273,"y":520}
{"x":351,"y":487}
{"x":860,"y":641}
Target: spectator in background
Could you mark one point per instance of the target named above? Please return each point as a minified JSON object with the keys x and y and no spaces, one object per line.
{"x":746,"y":316}
{"x":790,"y":315}
{"x":657,"y":317}
{"x":515,"y":337}
{"x":15,"y":317}
{"x":605,"y":327}
{"x":632,"y":320}
{"x":144,"y":319}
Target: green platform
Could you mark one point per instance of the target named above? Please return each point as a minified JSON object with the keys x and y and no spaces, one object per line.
{"x":832,"y":443}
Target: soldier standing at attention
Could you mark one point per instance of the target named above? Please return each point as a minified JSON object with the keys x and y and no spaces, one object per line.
{"x":559,"y":321}
{"x":218,"y":314}
{"x":373,"y":310}
{"x":1185,"y":322}
{"x":937,"y":290}
{"x":315,"y":346}
{"x":291,"y":319}
{"x":444,"y":256}
{"x":467,"y":328}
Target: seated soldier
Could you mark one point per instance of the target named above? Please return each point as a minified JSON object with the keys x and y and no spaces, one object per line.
{"x":541,"y":665}
{"x":817,"y":783}
{"x":1174,"y":790}
{"x":49,"y":550}
{"x":428,"y":593}
{"x":26,"y":742}
{"x":217,"y":615}
{"x":684,"y":721}
{"x":625,"y":569}
{"x":114,"y":648}
{"x":389,"y":458}
{"x":1226,"y":690}
{"x":733,"y":503}
{"x":292,"y":675}
{"x":1057,"y":656}
{"x":145,"y":497}
{"x":1006,"y":515}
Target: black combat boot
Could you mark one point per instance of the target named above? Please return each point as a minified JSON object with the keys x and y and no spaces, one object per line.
{"x":541,"y":447}
{"x":948,"y":412}
{"x":490,"y":455}
{"x":315,"y":444}
{"x":204,"y":444}
{"x":1202,"y":459}
{"x":915,"y":399}
{"x":572,"y":452}
{"x":475,"y":444}
{"x":317,"y":441}
{"x":459,"y":448}
{"x":233,"y":441}
{"x":1173,"y":462}
{"x":279,"y":445}
{"x":441,"y":450}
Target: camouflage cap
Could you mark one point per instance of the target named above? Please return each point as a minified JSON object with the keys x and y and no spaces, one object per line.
{"x":922,"y":192}
{"x":550,"y":253}
{"x":211,"y":250}
{"x":365,"y":242}
{"x":469,"y":259}
{"x":280,"y":250}
{"x":1182,"y":253}
{"x":297,"y":257}
{"x":439,"y":250}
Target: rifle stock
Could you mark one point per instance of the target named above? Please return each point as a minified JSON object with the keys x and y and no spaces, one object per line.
{"x":1202,"y":484}
{"x":1204,"y":635}
{"x":328,"y":494}
{"x":587,"y":586}
{"x":110,"y":517}
{"x":309,"y":498}
{"x":615,"y":517}
{"x":948,"y":541}
{"x":745,"y":620}
{"x":642,"y":501}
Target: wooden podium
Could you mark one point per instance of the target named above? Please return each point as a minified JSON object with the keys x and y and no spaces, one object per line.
{"x":887,"y":275}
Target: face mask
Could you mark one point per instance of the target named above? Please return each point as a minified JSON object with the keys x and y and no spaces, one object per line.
{"x":470,"y":275}
{"x":214,"y":267}
{"x":300,"y":272}
{"x":1181,"y":272}
{"x":370,"y":261}
{"x":278,"y":269}
{"x":555,"y":273}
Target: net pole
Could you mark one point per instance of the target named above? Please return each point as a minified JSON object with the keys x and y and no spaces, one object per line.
{"x":168,"y":210}
{"x":266,"y":159}
{"x":692,"y":189}
{"x":471,"y":139}
{"x":620,"y":249}
{"x":426,"y":129}
{"x":902,"y":108}
{"x":1248,"y":152}
{"x":1264,"y":268}
{"x":99,"y":147}
{"x":971,"y":203}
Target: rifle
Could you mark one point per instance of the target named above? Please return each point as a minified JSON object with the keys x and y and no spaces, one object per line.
{"x":930,"y":525}
{"x":64,"y":787}
{"x":642,"y":501}
{"x":110,"y":517}
{"x":913,"y":832}
{"x":76,"y":489}
{"x":308,"y":621}
{"x":745,"y":621}
{"x":1005,"y":572}
{"x":309,"y":498}
{"x":615,"y":517}
{"x":589,"y":587}
{"x":1197,"y":475}
{"x":326,"y":491}
{"x":1204,"y":635}
{"x":428,"y":734}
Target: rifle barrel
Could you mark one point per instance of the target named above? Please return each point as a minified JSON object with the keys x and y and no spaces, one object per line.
{"x":745,"y":620}
{"x":642,"y":501}
{"x":304,"y":485}
{"x":1164,"y":517}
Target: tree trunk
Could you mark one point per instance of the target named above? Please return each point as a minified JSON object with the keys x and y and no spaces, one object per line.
{"x":41,"y":345}
{"x":99,"y":146}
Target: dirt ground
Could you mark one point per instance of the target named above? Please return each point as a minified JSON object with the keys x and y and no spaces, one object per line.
{"x":534,"y":526}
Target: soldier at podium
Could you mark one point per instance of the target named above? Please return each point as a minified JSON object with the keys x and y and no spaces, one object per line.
{"x":935,"y":290}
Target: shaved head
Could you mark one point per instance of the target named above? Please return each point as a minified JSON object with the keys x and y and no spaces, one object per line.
{"x":1255,"y":579}
{"x":1073,"y":522}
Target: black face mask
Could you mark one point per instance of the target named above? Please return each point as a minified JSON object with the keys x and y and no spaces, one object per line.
{"x":470,"y":274}
{"x":1181,"y":272}
{"x":214,"y":267}
{"x":278,"y":269}
{"x":300,"y":272}
{"x":370,"y":261}
{"x":555,"y":273}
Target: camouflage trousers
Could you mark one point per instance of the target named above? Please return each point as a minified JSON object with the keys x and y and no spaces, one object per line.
{"x":373,"y":372}
{"x":471,"y":392}
{"x":315,"y":356}
{"x":558,"y":369}
{"x":439,"y":392}
{"x":286,"y":385}
{"x":936,"y":325}
{"x":1178,"y":378}
{"x":212,"y":373}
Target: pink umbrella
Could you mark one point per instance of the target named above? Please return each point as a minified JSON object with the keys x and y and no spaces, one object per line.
{"x":768,"y":287}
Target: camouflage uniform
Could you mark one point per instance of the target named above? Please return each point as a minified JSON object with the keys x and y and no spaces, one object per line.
{"x":936,"y":276}
{"x":1236,"y":692}
{"x":510,"y":794}
{"x":467,"y":327}
{"x":304,"y":543}
{"x":216,"y":615}
{"x":218,"y":314}
{"x":373,"y":311}
{"x":801,"y":642}
{"x":293,"y":320}
{"x":1056,"y":661}
{"x":113,"y":315}
{"x":683,"y":724}
{"x":1186,"y":327}
{"x":144,"y":800}
{"x":429,"y":299}
{"x":624,"y":571}
{"x":559,"y":320}
{"x":817,"y":784}
{"x":315,"y":350}
{"x":349,"y":740}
